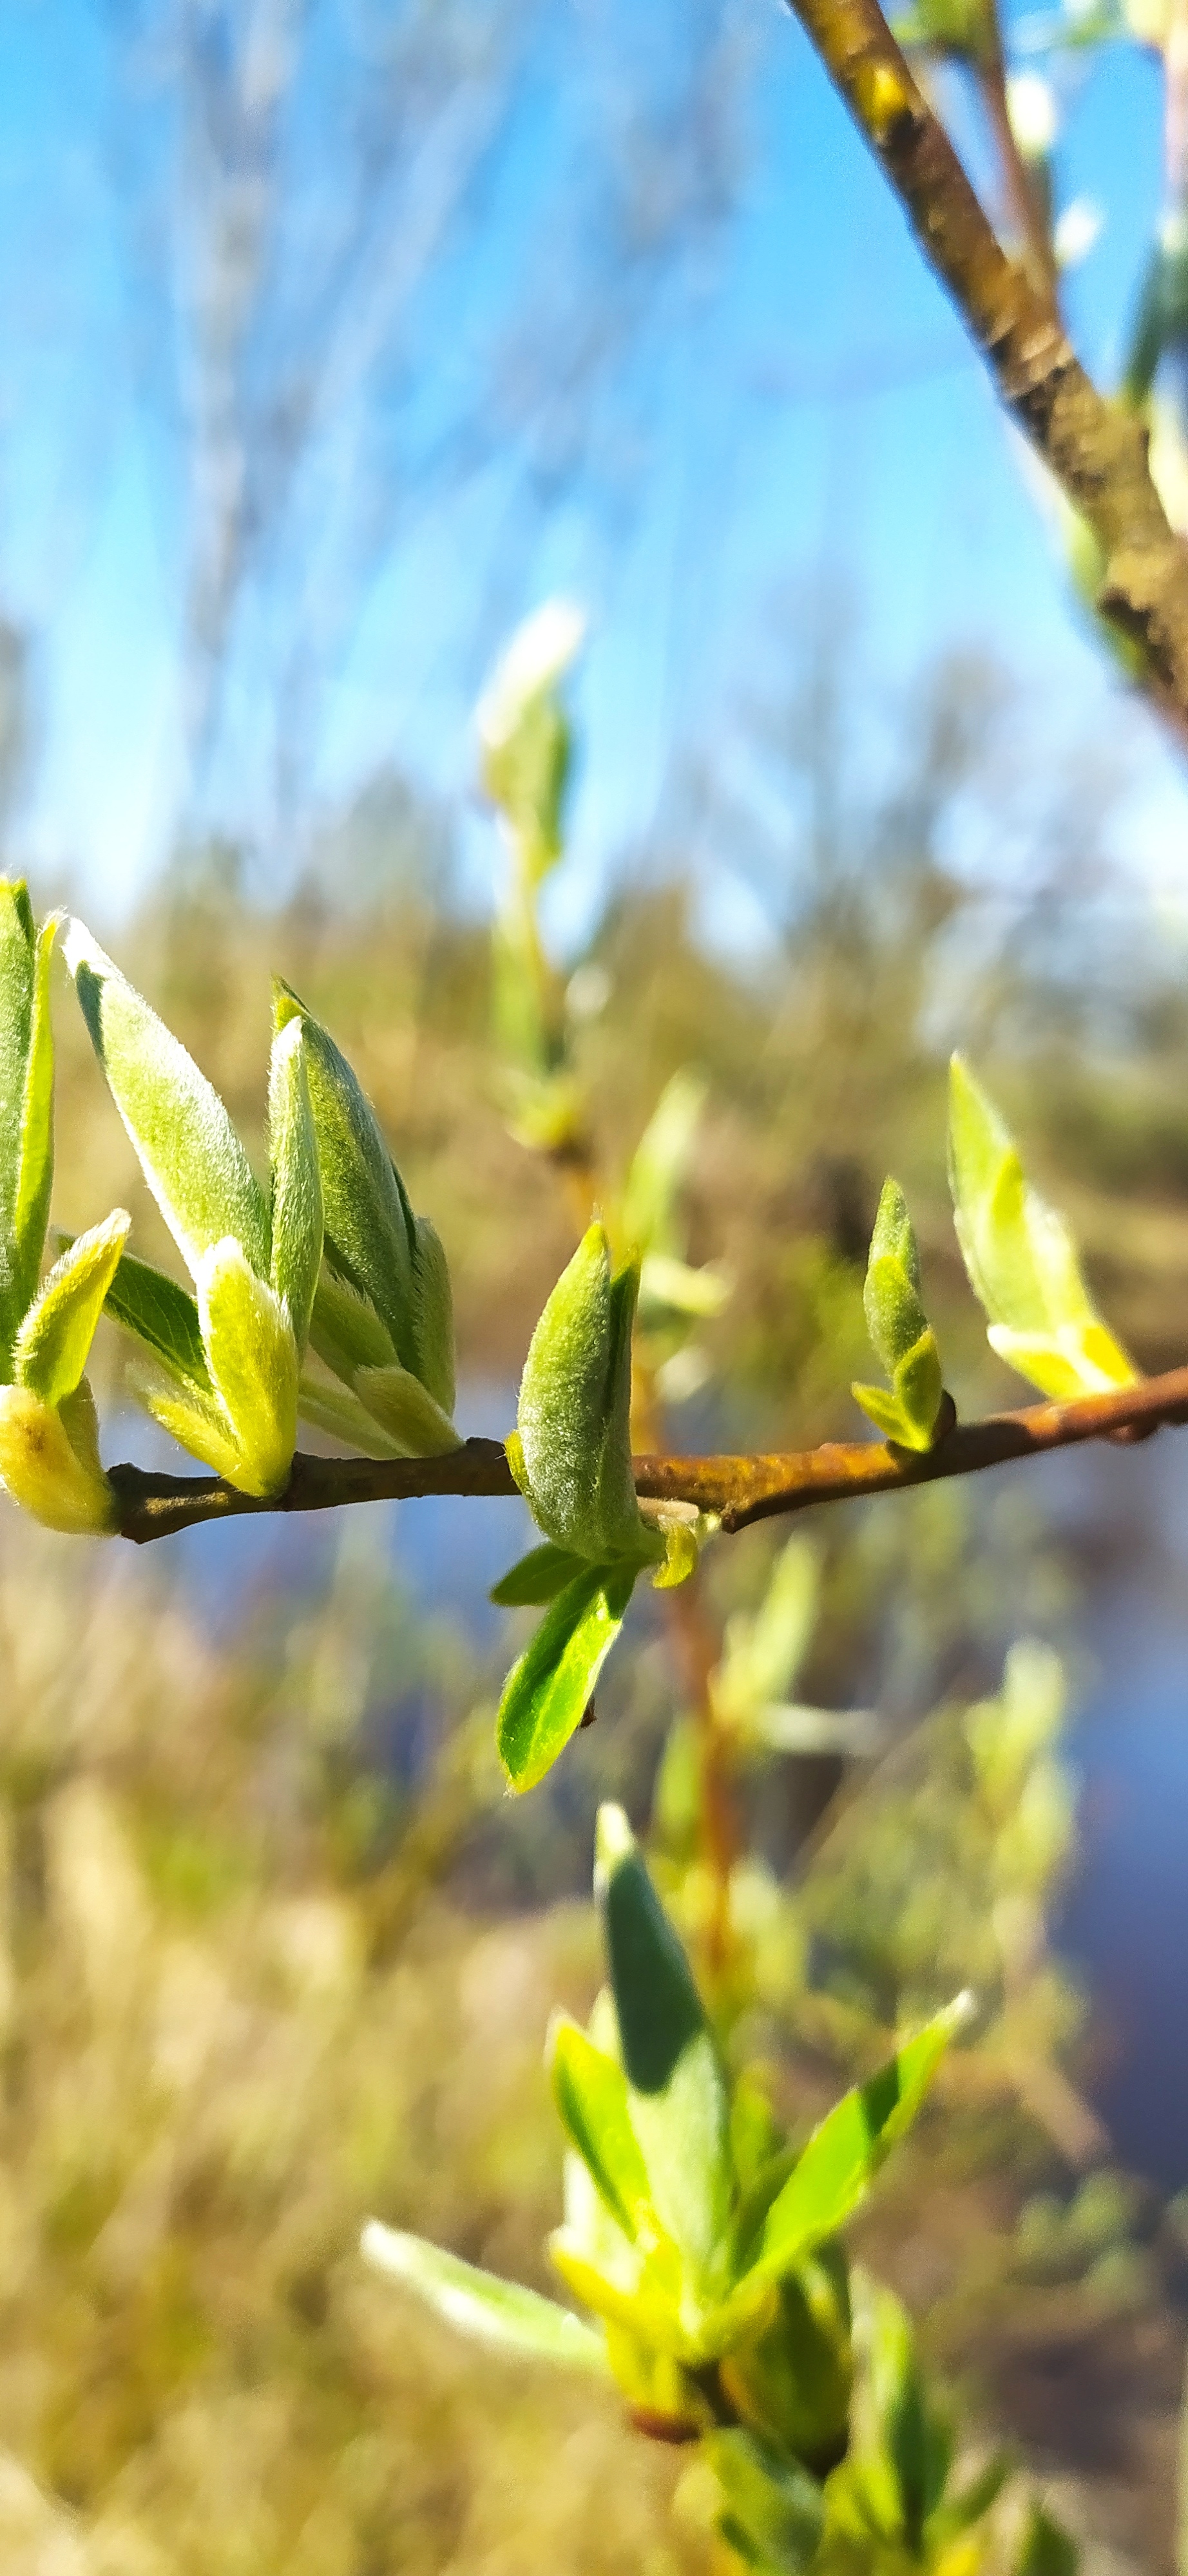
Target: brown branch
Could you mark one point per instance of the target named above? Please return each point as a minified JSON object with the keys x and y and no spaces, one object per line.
{"x":740,"y":1490}
{"x":1096,"y":450}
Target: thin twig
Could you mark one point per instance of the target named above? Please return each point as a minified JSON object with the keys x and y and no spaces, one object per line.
{"x":1096,"y":450}
{"x":739,"y":1489}
{"x":1022,"y":197}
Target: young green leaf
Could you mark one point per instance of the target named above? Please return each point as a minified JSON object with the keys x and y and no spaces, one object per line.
{"x":36,"y":1167}
{"x":26,"y":1107}
{"x":345,"y":1330}
{"x":1044,"y":2548}
{"x":405,"y":1410}
{"x":197,"y":1422}
{"x":844,"y":2154}
{"x":547,"y":1692}
{"x":538,"y":1577}
{"x":900,"y":1333}
{"x":680,"y":2108}
{"x":657,"y":1171}
{"x":1021,"y":1259}
{"x":770,"y":2511}
{"x":524,"y":734}
{"x":162,"y":1316}
{"x":433,"y":1315}
{"x":296,"y":1187}
{"x":489,"y":2311}
{"x":54,"y":1341}
{"x":590,"y":2091}
{"x":369,"y":1224}
{"x":252,"y":1358}
{"x":187,"y":1147}
{"x":334,"y":1409}
{"x":49,"y":1461}
{"x":575,"y":1412}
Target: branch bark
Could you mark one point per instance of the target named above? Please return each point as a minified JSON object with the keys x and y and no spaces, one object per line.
{"x":739,"y":1489}
{"x":1097,"y":450}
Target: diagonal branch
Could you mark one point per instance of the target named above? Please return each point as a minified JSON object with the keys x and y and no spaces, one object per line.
{"x":740,"y":1490}
{"x":1097,"y":450}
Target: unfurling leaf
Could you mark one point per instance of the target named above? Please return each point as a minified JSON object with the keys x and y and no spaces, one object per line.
{"x":677,"y":2090}
{"x":900,"y":1331}
{"x":49,"y":1461}
{"x":590,"y":2091}
{"x":575,"y":1412}
{"x":252,"y":1357}
{"x":1021,"y":1259}
{"x":490,"y":2311}
{"x":433,"y":1315}
{"x":26,"y":1107}
{"x":162,"y":1316}
{"x":406,"y":1411}
{"x":524,"y":734}
{"x":538,"y":1577}
{"x":296,"y":1187}
{"x":186,"y":1145}
{"x":648,"y":1216}
{"x":369,"y":1225}
{"x":54,"y":1341}
{"x":767,"y":2508}
{"x":844,"y":2153}
{"x":382,"y":1317}
{"x":547,"y":1692}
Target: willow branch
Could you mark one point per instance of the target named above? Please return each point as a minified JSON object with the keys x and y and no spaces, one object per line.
{"x":1097,"y":450}
{"x":738,"y":1490}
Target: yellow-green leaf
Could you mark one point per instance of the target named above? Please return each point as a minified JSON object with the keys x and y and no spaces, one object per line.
{"x":187,"y":1147}
{"x":252,"y":1358}
{"x":1021,"y":1259}
{"x":296,"y":1187}
{"x":54,"y":1341}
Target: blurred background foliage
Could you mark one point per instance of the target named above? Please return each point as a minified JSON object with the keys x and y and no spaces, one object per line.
{"x":278,"y":1952}
{"x":409,"y":306}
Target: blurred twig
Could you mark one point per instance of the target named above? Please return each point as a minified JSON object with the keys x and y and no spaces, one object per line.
{"x":1096,"y":449}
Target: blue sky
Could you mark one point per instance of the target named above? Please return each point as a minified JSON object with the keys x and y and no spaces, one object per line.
{"x":807,"y":400}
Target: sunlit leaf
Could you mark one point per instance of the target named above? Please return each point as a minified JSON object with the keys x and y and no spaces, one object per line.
{"x":900,"y":1333}
{"x":680,"y":2108}
{"x":26,"y":1107}
{"x":406,"y":1411}
{"x":187,"y":1147}
{"x":54,"y":1341}
{"x":49,"y":1461}
{"x":433,"y":1315}
{"x":659,"y":1165}
{"x":481,"y":2306}
{"x":30,"y":1215}
{"x":537,"y":1577}
{"x":524,"y":733}
{"x":296,"y":1187}
{"x":1021,"y":1258}
{"x":590,"y":2091}
{"x":575,"y":1411}
{"x":345,"y":1330}
{"x":368,"y":1221}
{"x":162,"y":1316}
{"x":252,"y":1358}
{"x":334,"y":1409}
{"x":548,"y":1691}
{"x":844,"y":2154}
